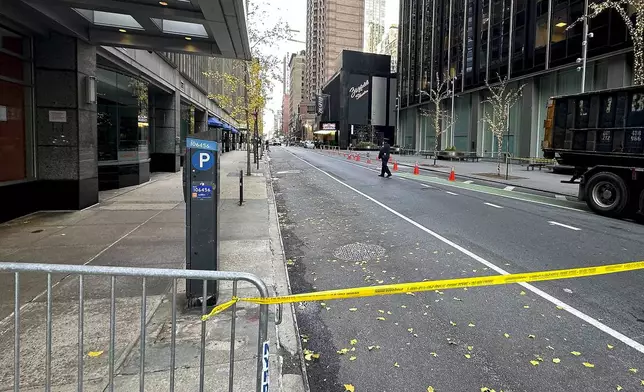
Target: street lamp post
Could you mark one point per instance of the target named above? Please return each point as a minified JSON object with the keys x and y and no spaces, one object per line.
{"x":451,"y":131}
{"x":398,"y":119}
{"x":584,"y":49}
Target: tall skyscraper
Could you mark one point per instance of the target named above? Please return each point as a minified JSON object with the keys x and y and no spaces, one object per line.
{"x":389,"y":45}
{"x":331,"y":26}
{"x":374,"y":24}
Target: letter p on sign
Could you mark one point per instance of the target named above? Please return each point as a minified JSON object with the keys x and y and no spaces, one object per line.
{"x":203,"y":160}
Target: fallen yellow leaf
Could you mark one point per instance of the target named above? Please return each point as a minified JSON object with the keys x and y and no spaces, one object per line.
{"x":412,"y":294}
{"x":506,"y":335}
{"x":322,"y":304}
{"x":352,"y":358}
{"x":343,"y":351}
{"x":381,"y":319}
{"x":471,"y":325}
{"x":404,"y":306}
{"x":526,"y":306}
{"x":349,"y":388}
{"x":353,"y":342}
{"x":556,"y":360}
{"x":559,"y":307}
{"x":632,"y":370}
{"x":352,"y":309}
{"x":453,"y":323}
{"x":610,"y":347}
{"x":381,"y":311}
{"x":534,"y":363}
{"x":522,"y":293}
{"x":619,"y":388}
{"x":588,"y":365}
{"x":433,"y":354}
{"x":430,"y":389}
{"x":396,"y":365}
{"x":410,"y":330}
{"x":468,"y":356}
{"x":530,"y":336}
{"x":575,"y":353}
{"x":470,"y":348}
{"x":95,"y":354}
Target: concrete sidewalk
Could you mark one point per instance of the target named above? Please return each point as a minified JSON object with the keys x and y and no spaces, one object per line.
{"x":538,"y":180}
{"x":144,"y":226}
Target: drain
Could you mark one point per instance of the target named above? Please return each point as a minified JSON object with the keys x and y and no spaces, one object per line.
{"x":359,"y":251}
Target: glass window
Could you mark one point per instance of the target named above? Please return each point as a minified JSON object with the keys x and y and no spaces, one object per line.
{"x":559,"y":24}
{"x":15,"y":107}
{"x":122,"y":118}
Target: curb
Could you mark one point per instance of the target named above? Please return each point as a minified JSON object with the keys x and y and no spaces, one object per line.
{"x":545,"y":193}
{"x":273,"y":210}
{"x":548,"y":193}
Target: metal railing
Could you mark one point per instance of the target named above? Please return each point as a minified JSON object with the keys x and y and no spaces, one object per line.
{"x":113,"y":272}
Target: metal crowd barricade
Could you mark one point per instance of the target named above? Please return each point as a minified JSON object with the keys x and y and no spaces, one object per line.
{"x":143,"y":273}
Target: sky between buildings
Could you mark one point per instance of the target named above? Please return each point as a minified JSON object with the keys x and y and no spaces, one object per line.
{"x":294,"y":12}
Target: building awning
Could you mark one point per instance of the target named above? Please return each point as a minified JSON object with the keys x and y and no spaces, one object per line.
{"x":205,"y":27}
{"x":215,"y":122}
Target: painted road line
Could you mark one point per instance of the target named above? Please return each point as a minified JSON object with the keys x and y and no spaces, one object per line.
{"x":560,"y":197}
{"x":553,"y":223}
{"x":426,"y":186}
{"x":451,"y":193}
{"x":525,"y":197}
{"x":508,"y":188}
{"x":468,"y":182}
{"x":564,"y":306}
{"x":492,"y":205}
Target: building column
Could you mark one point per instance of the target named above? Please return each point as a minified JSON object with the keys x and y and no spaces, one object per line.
{"x":201,"y":121}
{"x":524,"y":135}
{"x":165,"y":129}
{"x":67,"y":161}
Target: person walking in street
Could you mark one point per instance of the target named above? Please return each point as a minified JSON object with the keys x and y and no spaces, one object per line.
{"x":383,"y":155}
{"x":268,"y":144}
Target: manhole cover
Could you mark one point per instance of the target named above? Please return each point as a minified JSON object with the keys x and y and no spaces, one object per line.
{"x":359,"y":252}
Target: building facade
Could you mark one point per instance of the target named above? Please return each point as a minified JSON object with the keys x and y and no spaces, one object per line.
{"x":92,"y":101}
{"x":374,"y":24}
{"x":298,"y":101}
{"x":389,"y":46}
{"x":360,"y":101}
{"x":331,"y":26}
{"x":472,"y":41}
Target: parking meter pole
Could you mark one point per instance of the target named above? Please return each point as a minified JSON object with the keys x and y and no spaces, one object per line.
{"x":241,"y":187}
{"x":202,"y":201}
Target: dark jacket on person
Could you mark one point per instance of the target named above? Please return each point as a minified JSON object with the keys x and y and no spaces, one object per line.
{"x":385,"y":152}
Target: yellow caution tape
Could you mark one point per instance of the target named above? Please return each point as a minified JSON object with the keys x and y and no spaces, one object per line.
{"x":402,"y":288}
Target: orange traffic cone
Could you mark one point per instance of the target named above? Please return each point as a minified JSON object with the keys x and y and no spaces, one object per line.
{"x":452,"y":175}
{"x":395,"y":166}
{"x":349,"y":157}
{"x":416,"y":169}
{"x":357,"y":158}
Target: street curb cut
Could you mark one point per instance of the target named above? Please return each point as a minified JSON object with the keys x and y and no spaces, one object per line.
{"x":273,"y":210}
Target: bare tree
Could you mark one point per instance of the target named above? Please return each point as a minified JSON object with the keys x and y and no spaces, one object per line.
{"x":442,"y":118}
{"x":635,"y":27}
{"x":502,"y":98}
{"x":256,"y":77}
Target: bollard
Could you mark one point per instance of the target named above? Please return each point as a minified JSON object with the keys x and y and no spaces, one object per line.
{"x":241,"y":187}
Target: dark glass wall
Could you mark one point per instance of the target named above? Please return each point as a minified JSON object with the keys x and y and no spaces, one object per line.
{"x":490,"y":37}
{"x":122,"y":117}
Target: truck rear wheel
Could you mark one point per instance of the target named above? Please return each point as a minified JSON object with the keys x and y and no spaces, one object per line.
{"x":606,"y":194}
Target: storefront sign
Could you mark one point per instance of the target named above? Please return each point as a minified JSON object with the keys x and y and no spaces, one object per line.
{"x":360,"y":91}
{"x":57,"y":116}
{"x":329,"y":126}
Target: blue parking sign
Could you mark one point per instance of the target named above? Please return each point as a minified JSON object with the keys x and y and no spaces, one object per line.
{"x":203,"y":160}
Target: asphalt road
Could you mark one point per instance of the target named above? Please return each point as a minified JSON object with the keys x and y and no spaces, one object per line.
{"x":345,"y":227}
